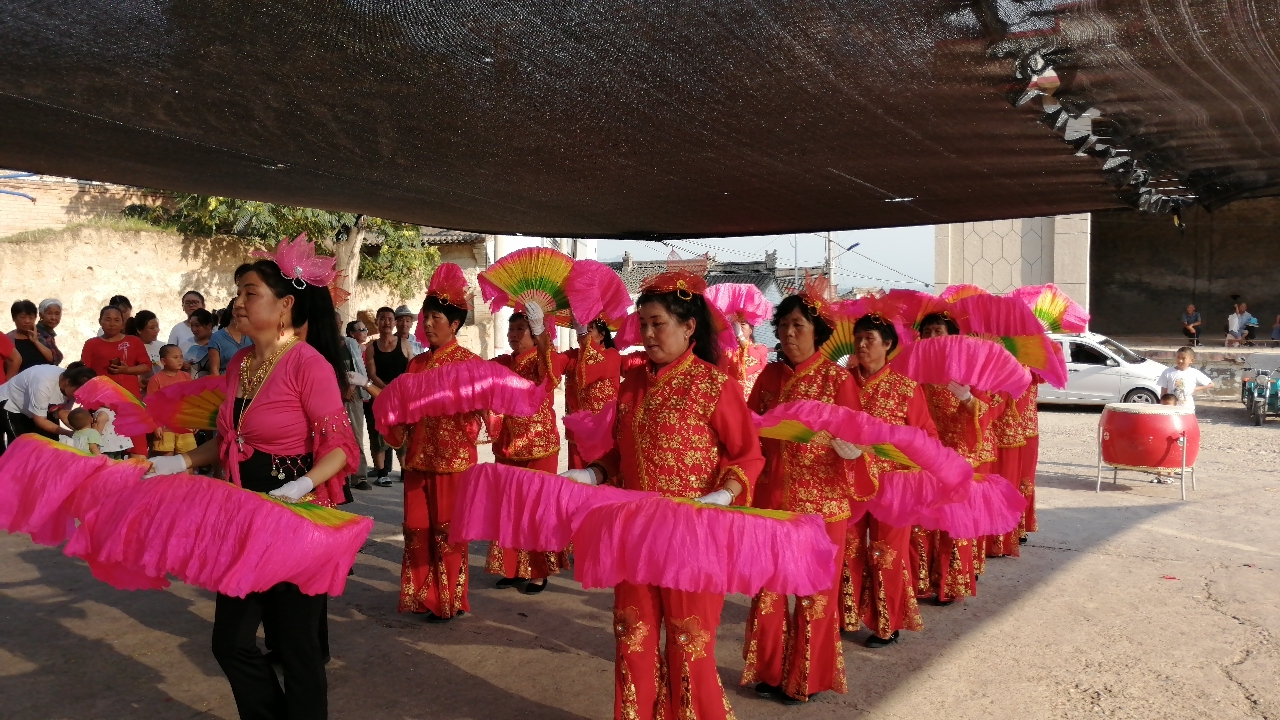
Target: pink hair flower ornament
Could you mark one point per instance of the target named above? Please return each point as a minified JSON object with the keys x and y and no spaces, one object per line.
{"x":299,"y":262}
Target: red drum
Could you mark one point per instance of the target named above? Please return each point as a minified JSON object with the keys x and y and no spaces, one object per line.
{"x":1141,"y":435}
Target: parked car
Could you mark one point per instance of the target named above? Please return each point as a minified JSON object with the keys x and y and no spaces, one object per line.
{"x":1101,"y":370}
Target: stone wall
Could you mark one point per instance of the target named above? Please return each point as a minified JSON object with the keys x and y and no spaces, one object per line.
{"x":62,"y":201}
{"x":85,"y":266}
{"x":1145,"y":270}
{"x":1001,"y":255}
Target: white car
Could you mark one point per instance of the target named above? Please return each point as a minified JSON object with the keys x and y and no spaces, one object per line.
{"x":1101,"y":370}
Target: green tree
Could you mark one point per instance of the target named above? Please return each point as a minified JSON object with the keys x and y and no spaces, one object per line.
{"x":390,"y":253}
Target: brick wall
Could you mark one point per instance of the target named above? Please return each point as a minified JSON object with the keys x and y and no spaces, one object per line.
{"x":61,"y":201}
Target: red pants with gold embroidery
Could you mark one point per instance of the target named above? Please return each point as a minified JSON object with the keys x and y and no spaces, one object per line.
{"x":512,"y":563}
{"x":954,"y":574}
{"x":799,"y":650}
{"x":924,"y":545}
{"x":877,"y":583}
{"x":1018,"y":466}
{"x":682,"y":682}
{"x":433,"y":575}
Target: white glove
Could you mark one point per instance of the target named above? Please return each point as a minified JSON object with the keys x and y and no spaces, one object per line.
{"x":533,"y":313}
{"x":846,"y":450}
{"x":737,"y":329}
{"x":719,"y":497}
{"x":586,"y":477}
{"x":294,"y":489}
{"x":167,"y":465}
{"x":355,"y":379}
{"x":960,"y":391}
{"x":580,"y":330}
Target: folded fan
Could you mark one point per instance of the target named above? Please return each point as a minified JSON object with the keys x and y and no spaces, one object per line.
{"x":525,"y":509}
{"x":190,"y":405}
{"x":454,"y":388}
{"x":592,"y":432}
{"x":740,"y":301}
{"x":1055,"y":311}
{"x":131,"y":418}
{"x":686,"y":545}
{"x":595,"y":291}
{"x":948,"y":472}
{"x":534,"y":275}
{"x":972,"y":361}
{"x":214,"y":535}
{"x":1012,"y":323}
{"x":37,"y":476}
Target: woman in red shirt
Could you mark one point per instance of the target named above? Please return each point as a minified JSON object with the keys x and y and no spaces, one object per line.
{"x":121,"y":357}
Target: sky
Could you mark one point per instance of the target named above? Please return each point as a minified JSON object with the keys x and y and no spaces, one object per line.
{"x":891,"y":257}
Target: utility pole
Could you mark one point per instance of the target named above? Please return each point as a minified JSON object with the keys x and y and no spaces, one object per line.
{"x":795,"y":262}
{"x":827,"y":269}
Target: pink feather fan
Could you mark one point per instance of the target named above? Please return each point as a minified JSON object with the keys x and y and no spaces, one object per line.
{"x":1053,"y":308}
{"x":740,"y":301}
{"x":993,"y":506}
{"x":131,"y":417}
{"x":214,"y":535}
{"x":37,"y":477}
{"x":685,"y":545}
{"x":596,"y":291}
{"x":1009,"y":320}
{"x":455,"y":388}
{"x":592,"y":432}
{"x":525,"y":509}
{"x":972,"y":361}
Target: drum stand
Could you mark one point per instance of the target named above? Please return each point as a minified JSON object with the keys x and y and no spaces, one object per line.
{"x":1115,"y":469}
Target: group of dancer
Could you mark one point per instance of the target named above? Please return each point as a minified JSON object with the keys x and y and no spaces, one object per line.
{"x":681,"y":423}
{"x":684,"y":429}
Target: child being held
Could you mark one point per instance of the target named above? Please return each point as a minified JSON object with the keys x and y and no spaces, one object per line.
{"x":85,"y":438}
{"x":170,"y":373}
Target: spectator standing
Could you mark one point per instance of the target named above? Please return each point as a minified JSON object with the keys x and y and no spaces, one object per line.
{"x":39,"y":398}
{"x":356,"y":397}
{"x":50,"y":318}
{"x":181,"y":334}
{"x":227,"y":341}
{"x":121,"y":357}
{"x":196,"y":355}
{"x":386,"y":358}
{"x":405,"y":319}
{"x":1183,"y":381}
{"x":1275,"y":331}
{"x":147,"y":329}
{"x":25,"y":338}
{"x":171,"y":373}
{"x":126,"y":309}
{"x":1191,"y":322}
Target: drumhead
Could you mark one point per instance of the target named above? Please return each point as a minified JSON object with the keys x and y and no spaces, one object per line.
{"x":1150,"y":409}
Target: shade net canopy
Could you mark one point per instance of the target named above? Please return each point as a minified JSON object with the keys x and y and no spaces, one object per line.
{"x":619,"y":118}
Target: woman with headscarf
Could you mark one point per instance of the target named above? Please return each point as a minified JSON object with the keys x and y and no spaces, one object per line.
{"x":50,"y":311}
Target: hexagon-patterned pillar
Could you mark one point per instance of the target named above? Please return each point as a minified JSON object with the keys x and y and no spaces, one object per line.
{"x":1000,"y":255}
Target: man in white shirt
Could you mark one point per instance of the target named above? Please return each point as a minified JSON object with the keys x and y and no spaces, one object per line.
{"x":181,"y":334}
{"x":1183,"y":381}
{"x":30,"y":396}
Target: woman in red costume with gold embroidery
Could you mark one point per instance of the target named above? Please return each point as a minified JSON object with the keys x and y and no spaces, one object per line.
{"x":1017,"y":433}
{"x":877,"y":586}
{"x":963,"y":419}
{"x":683,"y":430}
{"x":433,"y":574}
{"x":529,"y":442}
{"x":591,"y":377}
{"x":748,"y":360}
{"x":793,"y":658}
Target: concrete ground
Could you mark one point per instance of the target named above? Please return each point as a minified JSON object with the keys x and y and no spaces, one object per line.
{"x":1126,"y":604}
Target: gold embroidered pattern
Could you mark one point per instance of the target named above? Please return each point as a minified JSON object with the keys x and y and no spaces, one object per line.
{"x":959,"y":429}
{"x":883,"y":555}
{"x":815,"y":606}
{"x":536,"y":436}
{"x":1007,"y":428}
{"x":677,"y":451}
{"x":815,"y":479}
{"x":922,"y":542}
{"x":1030,"y":412}
{"x":690,"y":636}
{"x":767,"y":601}
{"x":442,"y":444}
{"x":630,"y":630}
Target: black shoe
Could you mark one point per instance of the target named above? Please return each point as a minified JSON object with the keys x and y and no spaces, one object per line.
{"x":383,"y":481}
{"x":875,"y":641}
{"x":532,"y":589}
{"x":435,"y":619}
{"x":768,"y":691}
{"x":1022,"y":540}
{"x":362,"y":485}
{"x":505,"y":583}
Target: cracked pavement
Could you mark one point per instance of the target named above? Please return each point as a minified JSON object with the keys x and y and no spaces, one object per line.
{"x":1128,"y":603}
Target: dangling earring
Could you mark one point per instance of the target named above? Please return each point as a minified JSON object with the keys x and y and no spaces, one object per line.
{"x":280,"y":327}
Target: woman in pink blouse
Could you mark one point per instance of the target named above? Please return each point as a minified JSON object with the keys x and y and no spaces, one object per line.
{"x":282,"y":431}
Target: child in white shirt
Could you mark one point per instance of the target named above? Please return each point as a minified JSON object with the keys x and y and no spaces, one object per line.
{"x":1184,"y":381}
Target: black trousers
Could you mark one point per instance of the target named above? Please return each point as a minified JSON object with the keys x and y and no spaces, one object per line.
{"x":16,"y":425}
{"x":295,"y":623}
